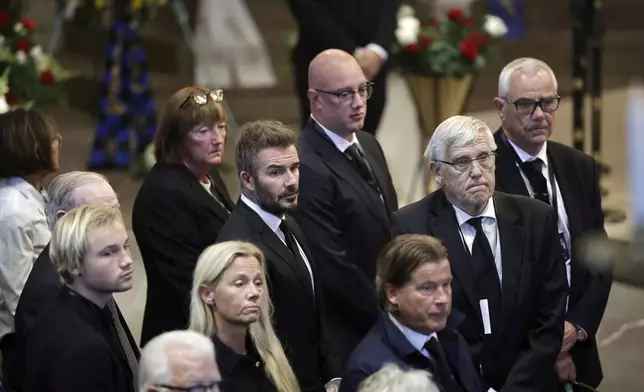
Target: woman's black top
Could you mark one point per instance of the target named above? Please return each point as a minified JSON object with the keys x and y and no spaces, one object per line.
{"x":241,"y":373}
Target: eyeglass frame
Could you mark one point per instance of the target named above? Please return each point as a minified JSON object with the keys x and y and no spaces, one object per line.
{"x":534,"y":103}
{"x":351,"y":93}
{"x":470,"y":162}
{"x":211,"y":387}
{"x":201,"y":98}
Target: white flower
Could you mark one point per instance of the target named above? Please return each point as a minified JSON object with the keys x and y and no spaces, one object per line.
{"x":19,"y":28}
{"x":36,"y":51}
{"x":495,"y":26}
{"x":405,"y":11}
{"x":4,"y":106}
{"x":21,"y":57}
{"x":1,"y":39}
{"x":407,"y":30}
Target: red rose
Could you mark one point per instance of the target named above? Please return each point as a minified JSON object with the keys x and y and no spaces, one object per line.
{"x":23,"y":45}
{"x":425,"y":40}
{"x":29,"y":24}
{"x":469,"y":49}
{"x":469,"y":22}
{"x":11,"y":98}
{"x":479,"y":38}
{"x":455,"y":14}
{"x":432,"y":22}
{"x":411,"y":48}
{"x":4,"y":18}
{"x":46,"y":77}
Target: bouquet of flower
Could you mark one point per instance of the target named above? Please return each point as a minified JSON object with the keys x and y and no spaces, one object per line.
{"x":451,"y":46}
{"x":29,"y":76}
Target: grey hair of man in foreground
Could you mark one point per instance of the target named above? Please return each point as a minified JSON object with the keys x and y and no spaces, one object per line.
{"x":74,"y":189}
{"x":176,"y":356}
{"x":392,"y":379}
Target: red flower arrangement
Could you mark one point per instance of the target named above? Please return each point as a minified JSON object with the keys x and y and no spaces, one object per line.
{"x":453,"y":46}
{"x":29,"y":76}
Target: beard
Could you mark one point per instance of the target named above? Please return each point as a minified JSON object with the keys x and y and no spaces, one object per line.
{"x":273,"y":205}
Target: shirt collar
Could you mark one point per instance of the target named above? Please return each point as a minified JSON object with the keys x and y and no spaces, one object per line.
{"x":525,"y":157}
{"x":416,"y":339}
{"x":463,"y":217}
{"x":25,"y":188}
{"x":272,"y":221}
{"x":339,"y":142}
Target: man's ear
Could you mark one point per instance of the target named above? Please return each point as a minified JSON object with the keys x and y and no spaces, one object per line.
{"x":499,"y":104}
{"x":436,"y":172}
{"x":247,"y":180}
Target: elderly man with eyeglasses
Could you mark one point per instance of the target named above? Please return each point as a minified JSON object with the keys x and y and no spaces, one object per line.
{"x":179,"y":361}
{"x":509,"y":288}
{"x":567,"y":179}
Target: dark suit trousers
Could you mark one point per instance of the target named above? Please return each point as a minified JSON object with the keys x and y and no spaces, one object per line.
{"x":375,"y":106}
{"x":8,"y":350}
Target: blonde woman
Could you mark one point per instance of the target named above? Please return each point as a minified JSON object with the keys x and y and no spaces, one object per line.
{"x":230,"y":303}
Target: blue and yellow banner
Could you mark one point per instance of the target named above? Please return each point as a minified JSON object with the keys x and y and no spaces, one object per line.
{"x":511,"y":11}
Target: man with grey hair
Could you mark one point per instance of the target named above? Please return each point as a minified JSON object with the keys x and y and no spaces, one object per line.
{"x":179,"y":361}
{"x":66,"y":191}
{"x":530,"y":164}
{"x":393,"y":379}
{"x":509,"y":286}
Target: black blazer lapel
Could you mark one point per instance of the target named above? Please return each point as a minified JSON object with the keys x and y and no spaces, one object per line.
{"x":567,"y":180}
{"x":343,"y":168}
{"x":272,"y":241}
{"x":508,"y":176}
{"x":221,"y":189}
{"x":209,"y":201}
{"x":443,"y":224}
{"x":511,"y":237}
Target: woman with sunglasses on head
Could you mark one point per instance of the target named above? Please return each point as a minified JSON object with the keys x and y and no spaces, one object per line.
{"x":29,"y":144}
{"x":182,"y":204}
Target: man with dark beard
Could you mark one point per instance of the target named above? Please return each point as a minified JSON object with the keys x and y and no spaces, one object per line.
{"x":268,"y":167}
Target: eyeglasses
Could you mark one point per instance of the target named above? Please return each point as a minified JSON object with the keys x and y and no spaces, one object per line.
{"x":201,"y":98}
{"x":212,"y":387}
{"x":363,"y":91}
{"x":528,"y":106}
{"x":485,"y":160}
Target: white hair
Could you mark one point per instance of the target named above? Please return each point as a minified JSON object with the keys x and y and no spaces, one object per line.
{"x":456,"y":132}
{"x":524,"y":64}
{"x":154,"y":366}
{"x":61,"y":193}
{"x":391,"y":378}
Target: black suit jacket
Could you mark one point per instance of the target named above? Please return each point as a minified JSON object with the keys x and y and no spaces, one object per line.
{"x":298,"y":315}
{"x":348,"y":224}
{"x":174,"y":219}
{"x":534,"y":287}
{"x":43,"y":287}
{"x":74,"y":348}
{"x":342,"y":24}
{"x":577,"y":175}
{"x":385,"y":343}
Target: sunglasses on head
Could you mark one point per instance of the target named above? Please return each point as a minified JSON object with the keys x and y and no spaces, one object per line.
{"x":201,"y":98}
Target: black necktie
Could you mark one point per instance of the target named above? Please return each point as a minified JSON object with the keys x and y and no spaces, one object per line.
{"x":532,"y":171}
{"x":291,"y":243}
{"x":485,"y":271}
{"x":441,"y":369}
{"x":125,"y":342}
{"x":356,"y":155}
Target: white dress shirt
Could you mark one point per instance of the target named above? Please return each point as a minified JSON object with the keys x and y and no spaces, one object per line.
{"x":490,"y":228}
{"x":562,"y":216}
{"x":24,"y":233}
{"x":273,"y":222}
{"x":340,"y":143}
{"x":416,"y":339}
